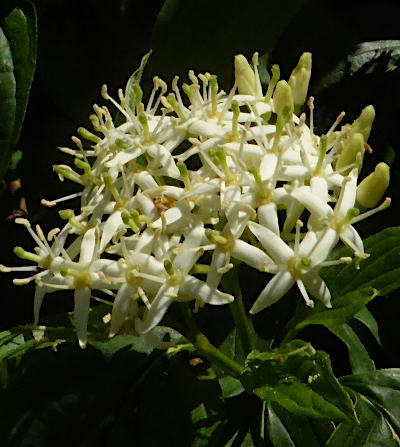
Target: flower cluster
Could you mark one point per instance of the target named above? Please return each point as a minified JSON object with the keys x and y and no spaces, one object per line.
{"x":197,"y":179}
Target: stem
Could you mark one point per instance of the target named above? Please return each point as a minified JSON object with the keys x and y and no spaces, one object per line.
{"x":231,"y":283}
{"x":202,"y":343}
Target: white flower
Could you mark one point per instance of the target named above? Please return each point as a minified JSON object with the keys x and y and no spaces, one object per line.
{"x":296,"y":265}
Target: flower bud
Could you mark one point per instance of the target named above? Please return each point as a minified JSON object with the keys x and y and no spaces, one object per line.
{"x":283,"y":98}
{"x":364,"y":122}
{"x":348,"y":155}
{"x":300,"y":78}
{"x":244,"y":75}
{"x":370,"y":191}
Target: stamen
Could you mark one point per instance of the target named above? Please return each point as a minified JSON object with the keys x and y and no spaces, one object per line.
{"x":303,"y":291}
{"x":334,"y":125}
{"x":50,"y":203}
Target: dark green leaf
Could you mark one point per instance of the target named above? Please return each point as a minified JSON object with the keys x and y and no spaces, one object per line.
{"x":360,"y":361}
{"x":373,"y":430}
{"x":205,"y":36}
{"x":380,"y":271}
{"x":287,"y":430}
{"x":300,"y":380}
{"x":381,"y":387}
{"x":343,"y":309}
{"x":18,"y":41}
{"x":366,"y":58}
{"x":8,"y":103}
{"x":368,"y":320}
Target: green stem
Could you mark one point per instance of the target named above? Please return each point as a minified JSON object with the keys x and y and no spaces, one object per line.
{"x":202,"y":343}
{"x":231,"y":284}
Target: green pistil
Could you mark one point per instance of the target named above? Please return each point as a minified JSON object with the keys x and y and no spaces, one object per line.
{"x":145,"y":125}
{"x":121,"y":144}
{"x":322,"y":152}
{"x":280,"y":125}
{"x":132,"y":277}
{"x":235,"y":120}
{"x":84,"y":133}
{"x":352,"y":213}
{"x":138,"y":94}
{"x":272,"y":83}
{"x":175,"y":106}
{"x":87,"y":170}
{"x":214,"y":93}
{"x":68,"y":173}
{"x":201,"y":269}
{"x":28,"y":256}
{"x":305,"y":262}
{"x":82,"y":278}
{"x":188,"y":92}
{"x":111,"y":187}
{"x":255,"y":172}
{"x":184,"y":175}
{"x":216,"y":238}
{"x":68,"y":214}
{"x":169,"y":268}
{"x":130,"y":222}
{"x":221,"y":156}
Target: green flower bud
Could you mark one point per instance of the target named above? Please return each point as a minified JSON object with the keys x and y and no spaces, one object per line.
{"x":283,"y":97}
{"x":351,"y":147}
{"x":244,"y":75}
{"x":371,"y":190}
{"x":300,"y":78}
{"x":364,"y":122}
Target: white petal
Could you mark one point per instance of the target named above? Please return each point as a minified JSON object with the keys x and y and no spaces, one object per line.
{"x":218,"y":260}
{"x":120,"y":308}
{"x":267,"y":166}
{"x":317,"y":287}
{"x":312,"y":202}
{"x":87,"y":246}
{"x":319,"y":187}
{"x":252,"y":256}
{"x":187,"y":257}
{"x":157,"y":310}
{"x":274,"y":291}
{"x":325,"y":244}
{"x":348,"y":194}
{"x":40,"y":292}
{"x":272,"y":243}
{"x":352,"y":239}
{"x":193,"y":288}
{"x":124,"y":157}
{"x":81,"y":314}
{"x":268,"y":217}
{"x":111,"y":226}
{"x":145,"y":181}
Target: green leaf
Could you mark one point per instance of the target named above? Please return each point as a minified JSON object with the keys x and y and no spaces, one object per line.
{"x":360,"y":361}
{"x":287,"y":430}
{"x":18,"y":42}
{"x":380,"y":271}
{"x":343,"y":309}
{"x":300,"y":380}
{"x":381,"y":387}
{"x":8,"y":103}
{"x":365,"y":58}
{"x":368,"y":320}
{"x":373,"y":431}
{"x":205,"y":36}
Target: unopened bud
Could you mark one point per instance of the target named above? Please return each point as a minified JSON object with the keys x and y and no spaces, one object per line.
{"x":283,"y":98}
{"x":351,"y":147}
{"x":244,"y":75}
{"x":364,"y":122}
{"x":300,"y":79}
{"x":371,"y":190}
